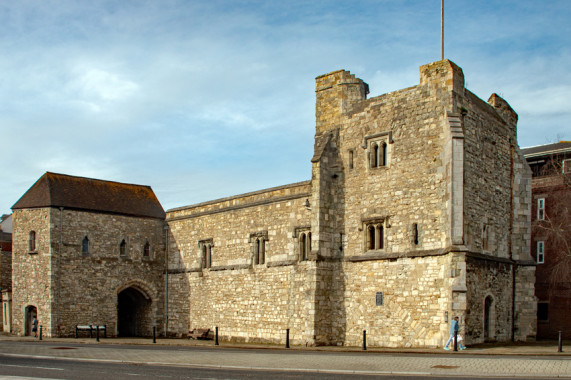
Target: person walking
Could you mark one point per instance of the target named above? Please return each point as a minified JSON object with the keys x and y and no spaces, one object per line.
{"x":35,"y":326}
{"x":453,"y":331}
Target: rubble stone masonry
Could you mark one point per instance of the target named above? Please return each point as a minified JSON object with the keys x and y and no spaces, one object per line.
{"x":418,"y":210}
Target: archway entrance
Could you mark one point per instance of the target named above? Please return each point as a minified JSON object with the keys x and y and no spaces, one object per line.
{"x":133,"y":313}
{"x":488,"y":321}
{"x":31,"y":312}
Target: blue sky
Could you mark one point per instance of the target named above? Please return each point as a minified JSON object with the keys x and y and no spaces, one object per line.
{"x":208,"y":98}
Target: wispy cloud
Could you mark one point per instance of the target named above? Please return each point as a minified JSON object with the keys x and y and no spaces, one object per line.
{"x":204,"y":99}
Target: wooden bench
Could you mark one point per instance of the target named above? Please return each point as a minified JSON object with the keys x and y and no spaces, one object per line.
{"x":91,"y":328}
{"x":199,"y":334}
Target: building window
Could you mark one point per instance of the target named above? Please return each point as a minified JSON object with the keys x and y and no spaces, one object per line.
{"x":147,"y":250}
{"x":378,"y":154}
{"x":378,"y":149}
{"x":304,"y":242}
{"x":258,"y":242}
{"x":541,"y":209}
{"x":351,"y":163}
{"x":123,"y":248}
{"x":542,"y":311}
{"x":566,"y":166}
{"x":32,"y":241}
{"x":206,"y":252}
{"x":484,"y":237}
{"x":540,"y":256}
{"x":85,"y":246}
{"x":375,"y":235}
{"x":415,"y":235}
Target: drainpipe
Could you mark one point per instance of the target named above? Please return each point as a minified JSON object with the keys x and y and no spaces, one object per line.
{"x":58,"y":263}
{"x":166,"y":279}
{"x":514,"y":264}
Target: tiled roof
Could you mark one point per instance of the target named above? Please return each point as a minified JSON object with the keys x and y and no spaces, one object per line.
{"x":60,"y":190}
{"x":548,"y":149}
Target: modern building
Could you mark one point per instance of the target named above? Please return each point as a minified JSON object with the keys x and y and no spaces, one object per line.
{"x":418,"y":210}
{"x":551,"y":236}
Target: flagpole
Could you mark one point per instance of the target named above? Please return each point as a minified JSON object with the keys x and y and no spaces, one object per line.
{"x":442,"y":30}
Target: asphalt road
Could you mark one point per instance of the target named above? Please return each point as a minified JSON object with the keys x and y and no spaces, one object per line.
{"x":21,"y":368}
{"x":69,"y":360}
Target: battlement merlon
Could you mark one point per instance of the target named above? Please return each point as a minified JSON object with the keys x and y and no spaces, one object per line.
{"x":506,"y":112}
{"x":444,"y":74}
{"x":335,"y":93}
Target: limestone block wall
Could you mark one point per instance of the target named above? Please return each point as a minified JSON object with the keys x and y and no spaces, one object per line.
{"x":488,"y":278}
{"x":32,"y":271}
{"x":87,"y":286}
{"x":256,"y":304}
{"x":526,"y":304}
{"x":415,"y":298}
{"x":234,"y":293}
{"x":487,"y":178}
{"x":410,"y":188}
{"x":69,"y":287}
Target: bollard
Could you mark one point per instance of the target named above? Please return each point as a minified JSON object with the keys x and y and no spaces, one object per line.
{"x":90,"y":331}
{"x":560,"y":345}
{"x":455,"y":340}
{"x":154,"y":334}
{"x":364,"y":340}
{"x":105,"y":331}
{"x":75,"y":331}
{"x":287,"y":338}
{"x":97,"y":334}
{"x":40,"y":332}
{"x":216,"y":341}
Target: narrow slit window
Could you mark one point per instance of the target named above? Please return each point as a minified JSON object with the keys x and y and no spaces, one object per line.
{"x":85,"y":246}
{"x":32,"y":241}
{"x":123,"y":248}
{"x":147,"y":250}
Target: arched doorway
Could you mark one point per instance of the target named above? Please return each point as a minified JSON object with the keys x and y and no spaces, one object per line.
{"x":488,"y":318}
{"x":133,"y":313}
{"x":30,"y":312}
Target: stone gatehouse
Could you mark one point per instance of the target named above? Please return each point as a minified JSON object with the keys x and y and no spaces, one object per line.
{"x":418,"y":209}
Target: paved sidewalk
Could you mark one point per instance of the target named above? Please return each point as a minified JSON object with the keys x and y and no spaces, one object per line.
{"x":540,"y":360}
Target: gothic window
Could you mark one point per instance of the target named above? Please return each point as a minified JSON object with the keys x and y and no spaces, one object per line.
{"x":206,"y":252}
{"x":375,"y":235}
{"x":85,"y":246}
{"x":378,"y":154}
{"x":378,"y":150}
{"x":32,"y":241}
{"x":147,"y":250}
{"x":258,"y":242}
{"x":304,"y":241}
{"x":259,"y":251}
{"x":123,"y":248}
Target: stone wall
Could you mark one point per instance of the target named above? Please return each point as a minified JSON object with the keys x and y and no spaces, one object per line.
{"x":32,"y":271}
{"x":235,"y":293}
{"x":83,"y":288}
{"x":415,"y":297}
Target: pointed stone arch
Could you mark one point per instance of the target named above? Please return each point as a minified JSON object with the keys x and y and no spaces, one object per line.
{"x":489,"y":318}
{"x":30,"y":312}
{"x":136,"y":309}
